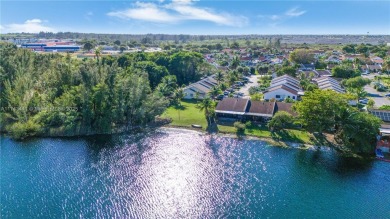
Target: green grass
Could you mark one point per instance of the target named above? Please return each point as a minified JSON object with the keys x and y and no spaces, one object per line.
{"x":261,"y":131}
{"x":188,"y":114}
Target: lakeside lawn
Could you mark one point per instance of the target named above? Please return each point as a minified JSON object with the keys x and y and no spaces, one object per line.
{"x":188,"y":114}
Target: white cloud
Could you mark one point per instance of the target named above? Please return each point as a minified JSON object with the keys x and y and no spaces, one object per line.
{"x":145,"y":11}
{"x":182,"y":1}
{"x":176,"y":11}
{"x":29,"y":26}
{"x":294,"y":12}
{"x":88,"y":15}
{"x":189,"y":12}
{"x":280,"y":18}
{"x":275,"y":17}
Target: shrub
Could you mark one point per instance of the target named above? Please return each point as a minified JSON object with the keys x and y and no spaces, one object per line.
{"x":380,"y":89}
{"x":239,"y":126}
{"x":20,"y":130}
{"x":280,"y":121}
{"x":385,"y":107}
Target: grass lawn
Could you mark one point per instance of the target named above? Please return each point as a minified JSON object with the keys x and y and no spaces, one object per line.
{"x":188,"y":114}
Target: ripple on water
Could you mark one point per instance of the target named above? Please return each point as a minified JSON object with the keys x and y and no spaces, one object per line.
{"x":172,"y":173}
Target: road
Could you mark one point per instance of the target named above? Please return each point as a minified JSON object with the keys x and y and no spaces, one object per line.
{"x":252,"y":83}
{"x":378,"y":97}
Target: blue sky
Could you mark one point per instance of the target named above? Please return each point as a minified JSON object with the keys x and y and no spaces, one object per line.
{"x":197,"y":17}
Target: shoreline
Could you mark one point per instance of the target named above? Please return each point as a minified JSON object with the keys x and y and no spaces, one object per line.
{"x":280,"y":143}
{"x":270,"y":141}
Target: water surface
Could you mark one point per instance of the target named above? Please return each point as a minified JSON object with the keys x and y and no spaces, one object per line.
{"x":173,"y":173}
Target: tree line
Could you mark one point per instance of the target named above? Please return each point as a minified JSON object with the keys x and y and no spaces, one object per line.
{"x":55,"y":94}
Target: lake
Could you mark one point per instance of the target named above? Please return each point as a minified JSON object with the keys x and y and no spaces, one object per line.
{"x":174,"y":173}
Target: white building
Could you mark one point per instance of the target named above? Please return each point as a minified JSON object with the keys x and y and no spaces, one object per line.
{"x":328,"y":83}
{"x":200,"y":89}
{"x":283,"y":87}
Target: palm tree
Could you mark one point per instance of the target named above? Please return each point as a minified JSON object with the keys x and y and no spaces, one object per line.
{"x":214,"y":91}
{"x":98,"y":52}
{"x":223,"y":86}
{"x":386,"y":66}
{"x":196,"y":96}
{"x":235,"y":62}
{"x":178,"y":94}
{"x":207,"y":105}
{"x":219,"y":77}
{"x":360,"y":93}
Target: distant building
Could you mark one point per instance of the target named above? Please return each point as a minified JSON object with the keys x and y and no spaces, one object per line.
{"x":374,"y":68}
{"x":50,"y":47}
{"x":34,"y":46}
{"x":322,"y":73}
{"x":377,"y":60}
{"x":333,"y":59}
{"x":307,"y":67}
{"x":62,"y":48}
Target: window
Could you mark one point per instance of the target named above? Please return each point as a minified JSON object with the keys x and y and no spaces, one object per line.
{"x":293,"y":97}
{"x":277,"y":96}
{"x":288,"y":96}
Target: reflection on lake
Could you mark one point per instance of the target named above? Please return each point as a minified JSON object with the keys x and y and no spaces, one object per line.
{"x":173,"y":173}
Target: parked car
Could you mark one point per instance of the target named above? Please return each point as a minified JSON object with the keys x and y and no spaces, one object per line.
{"x":387,"y":95}
{"x":239,"y":83}
{"x":245,"y":80}
{"x":220,"y":97}
{"x":226,"y":92}
{"x":363,"y":101}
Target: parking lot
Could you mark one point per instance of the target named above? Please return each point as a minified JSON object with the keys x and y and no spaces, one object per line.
{"x":251,"y":83}
{"x":378,"y":97}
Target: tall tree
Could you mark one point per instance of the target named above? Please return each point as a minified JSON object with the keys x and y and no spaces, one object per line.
{"x":302,"y":56}
{"x":235,"y":62}
{"x":186,"y":66}
{"x":88,"y":46}
{"x":319,"y":108}
{"x":356,"y":86}
{"x":219,"y":77}
{"x":207,"y":106}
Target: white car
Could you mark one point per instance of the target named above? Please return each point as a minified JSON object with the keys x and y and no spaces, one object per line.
{"x":363,"y":101}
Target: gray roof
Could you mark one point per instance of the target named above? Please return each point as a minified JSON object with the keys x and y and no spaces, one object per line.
{"x":328,"y":83}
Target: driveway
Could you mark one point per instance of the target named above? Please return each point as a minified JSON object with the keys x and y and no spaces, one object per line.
{"x":252,"y":83}
{"x":378,"y":97}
